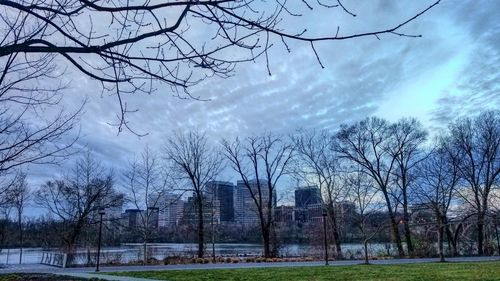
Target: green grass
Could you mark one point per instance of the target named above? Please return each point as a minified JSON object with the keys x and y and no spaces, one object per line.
{"x":426,"y":271}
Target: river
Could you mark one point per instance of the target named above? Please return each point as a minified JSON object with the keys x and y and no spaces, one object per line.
{"x":133,"y":251}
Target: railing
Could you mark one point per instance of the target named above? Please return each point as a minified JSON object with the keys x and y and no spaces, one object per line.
{"x":54,"y":259}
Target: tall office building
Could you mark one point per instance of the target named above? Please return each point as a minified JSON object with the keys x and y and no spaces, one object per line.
{"x":307,"y":198}
{"x":307,"y":195}
{"x":210,"y":210}
{"x":132,"y":218}
{"x":170,"y":206}
{"x":245,"y":207}
{"x":223,"y":192}
{"x":153,"y":216}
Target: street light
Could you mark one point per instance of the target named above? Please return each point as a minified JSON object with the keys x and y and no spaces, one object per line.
{"x":101,"y":214}
{"x":324,"y":235}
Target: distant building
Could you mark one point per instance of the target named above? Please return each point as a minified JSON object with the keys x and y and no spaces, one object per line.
{"x":210,"y":211}
{"x":284,"y":214}
{"x":307,"y":200}
{"x":170,"y":210}
{"x":245,"y":208}
{"x":305,"y":196}
{"x":153,"y":217}
{"x":314,"y":213}
{"x":132,"y":218}
{"x":223,"y":192}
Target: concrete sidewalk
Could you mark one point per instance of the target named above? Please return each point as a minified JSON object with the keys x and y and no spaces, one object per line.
{"x":104,"y":277}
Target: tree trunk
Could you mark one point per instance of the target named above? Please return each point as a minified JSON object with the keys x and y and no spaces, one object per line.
{"x":441,"y":239}
{"x":335,"y":232}
{"x":266,"y":240}
{"x":406,"y":221}
{"x":71,"y":242}
{"x":394,"y":225}
{"x":397,"y":237}
{"x":200,"y":229}
{"x":441,"y":242}
{"x":20,"y":225}
{"x":274,"y":241}
{"x":480,"y":234}
{"x":451,"y":239}
{"x":365,"y":244}
{"x":145,"y":251}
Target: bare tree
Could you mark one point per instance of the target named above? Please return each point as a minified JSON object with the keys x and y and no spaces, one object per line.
{"x":435,"y":188}
{"x":75,"y":200}
{"x":368,"y":144}
{"x":260,"y":162}
{"x":147,"y":185}
{"x":30,"y":89}
{"x":19,"y":195}
{"x":407,"y":137}
{"x":318,"y":163}
{"x":128,"y":46}
{"x":23,"y":141}
{"x":477,"y":158}
{"x":364,"y":195}
{"x":194,"y":163}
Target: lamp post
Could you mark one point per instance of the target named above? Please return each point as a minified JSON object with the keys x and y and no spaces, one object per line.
{"x":101,"y":214}
{"x":325,"y":239}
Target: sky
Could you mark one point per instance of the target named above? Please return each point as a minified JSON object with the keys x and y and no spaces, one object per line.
{"x":452,"y":70}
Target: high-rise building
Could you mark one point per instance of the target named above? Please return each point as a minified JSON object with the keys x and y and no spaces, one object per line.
{"x":170,"y":209}
{"x":153,"y":217}
{"x":223,"y":192}
{"x":306,"y":198}
{"x":132,"y":218}
{"x":246,"y":211}
{"x":210,"y":210}
{"x":307,"y":195}
{"x":284,"y":214}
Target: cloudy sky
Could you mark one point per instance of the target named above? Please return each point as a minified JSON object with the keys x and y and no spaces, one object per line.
{"x":452,"y":70}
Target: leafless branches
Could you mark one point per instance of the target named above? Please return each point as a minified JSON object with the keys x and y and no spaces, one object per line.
{"x":32,"y":129}
{"x":193,"y":163}
{"x":368,"y":144}
{"x":147,"y":184}
{"x":260,"y":162}
{"x":474,"y":147}
{"x":435,"y":188}
{"x":317,"y":163}
{"x":129,"y":48}
{"x":76,"y":199}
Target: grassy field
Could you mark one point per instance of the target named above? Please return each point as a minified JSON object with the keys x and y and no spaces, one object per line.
{"x":428,"y":271}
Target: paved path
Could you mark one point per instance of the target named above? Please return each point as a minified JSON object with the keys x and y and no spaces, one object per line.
{"x":105,"y":277}
{"x":88,"y":272}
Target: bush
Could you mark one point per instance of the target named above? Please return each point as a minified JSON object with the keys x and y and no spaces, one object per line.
{"x":424,"y":248}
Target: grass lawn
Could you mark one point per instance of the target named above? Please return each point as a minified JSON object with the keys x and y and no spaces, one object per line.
{"x":427,"y":271}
